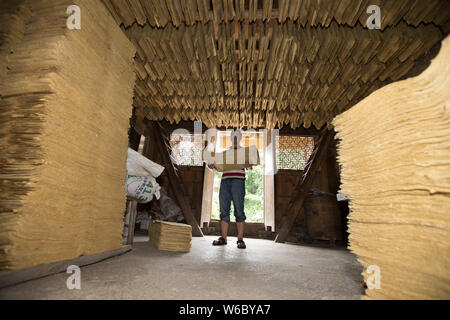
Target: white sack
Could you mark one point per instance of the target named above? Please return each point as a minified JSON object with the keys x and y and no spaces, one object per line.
{"x":142,"y":188}
{"x":138,"y":165}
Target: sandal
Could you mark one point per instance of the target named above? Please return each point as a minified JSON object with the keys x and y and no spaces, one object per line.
{"x":241,"y":244}
{"x":219,"y":242}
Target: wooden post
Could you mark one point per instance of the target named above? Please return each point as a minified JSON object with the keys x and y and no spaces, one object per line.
{"x":269,"y":189}
{"x":131,"y":221}
{"x":174,"y":179}
{"x":295,"y":206}
{"x":13,"y":277}
{"x":150,"y":151}
{"x":140,"y":127}
{"x":134,"y":139}
{"x":208,"y":185}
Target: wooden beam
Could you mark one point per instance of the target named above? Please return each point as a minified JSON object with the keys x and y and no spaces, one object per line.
{"x":208,"y":185}
{"x":300,"y":192}
{"x":174,"y":179}
{"x":188,"y":125}
{"x":139,"y":126}
{"x":9,"y":278}
{"x":300,"y":131}
{"x":130,"y":221}
{"x":134,"y":139}
{"x":149,"y":150}
{"x":207,"y":195}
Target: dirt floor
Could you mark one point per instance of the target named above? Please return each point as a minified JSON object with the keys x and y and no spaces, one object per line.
{"x":265,"y":270}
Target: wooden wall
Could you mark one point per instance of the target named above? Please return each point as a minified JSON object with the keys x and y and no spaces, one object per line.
{"x":193,"y":184}
{"x":285,"y":181}
{"x":323,"y":217}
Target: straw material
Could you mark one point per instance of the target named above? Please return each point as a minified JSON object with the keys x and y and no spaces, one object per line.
{"x":13,"y":16}
{"x":170,"y":236}
{"x":295,"y":63}
{"x":64,"y":114}
{"x":395,"y":156}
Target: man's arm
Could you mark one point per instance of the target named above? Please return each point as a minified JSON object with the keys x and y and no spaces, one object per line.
{"x":248,"y":166}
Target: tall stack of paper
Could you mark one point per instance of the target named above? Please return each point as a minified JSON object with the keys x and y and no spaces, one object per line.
{"x":14,"y":15}
{"x":395,"y":157}
{"x":170,"y":236}
{"x":64,"y":114}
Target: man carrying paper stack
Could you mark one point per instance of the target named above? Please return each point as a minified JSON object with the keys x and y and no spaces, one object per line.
{"x":233,"y":163}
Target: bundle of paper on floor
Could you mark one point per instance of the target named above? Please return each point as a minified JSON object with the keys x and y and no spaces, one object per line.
{"x":395,"y":157}
{"x":170,"y":236}
{"x":232,"y":159}
{"x":64,"y":113}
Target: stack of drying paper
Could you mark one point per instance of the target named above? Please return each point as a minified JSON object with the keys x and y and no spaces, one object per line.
{"x":395,"y":157}
{"x":170,"y":236}
{"x":232,"y":159}
{"x":66,"y":100}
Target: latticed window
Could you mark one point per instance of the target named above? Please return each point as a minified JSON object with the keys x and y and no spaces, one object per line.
{"x":187,"y":149}
{"x":292,"y":153}
{"x":248,"y":138}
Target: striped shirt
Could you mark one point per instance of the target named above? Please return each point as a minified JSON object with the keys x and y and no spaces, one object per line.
{"x":240,"y":174}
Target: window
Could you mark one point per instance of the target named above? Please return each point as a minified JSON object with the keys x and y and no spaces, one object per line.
{"x":187,"y":149}
{"x":292,"y":153}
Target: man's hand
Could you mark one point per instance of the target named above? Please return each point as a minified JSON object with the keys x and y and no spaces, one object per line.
{"x":248,"y":166}
{"x":211,"y":166}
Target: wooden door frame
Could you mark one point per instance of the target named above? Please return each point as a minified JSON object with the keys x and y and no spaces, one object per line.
{"x":268,"y":185}
{"x":208,"y":185}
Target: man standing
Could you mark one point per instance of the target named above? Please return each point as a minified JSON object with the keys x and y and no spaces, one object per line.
{"x":232,"y":188}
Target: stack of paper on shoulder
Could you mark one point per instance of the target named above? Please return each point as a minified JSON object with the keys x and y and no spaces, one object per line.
{"x":170,"y":236}
{"x":232,"y":159}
